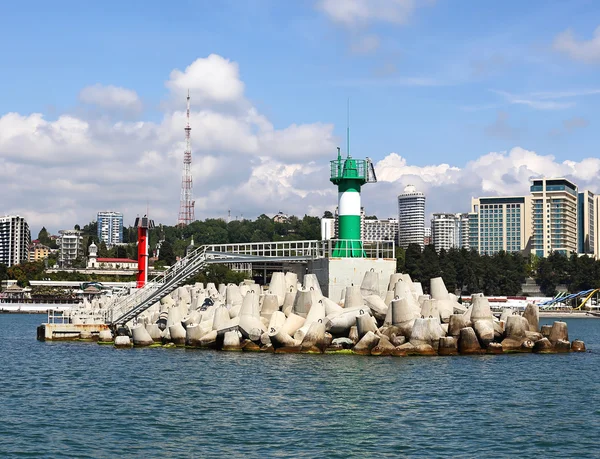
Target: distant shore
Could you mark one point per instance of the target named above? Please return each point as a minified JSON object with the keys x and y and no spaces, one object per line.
{"x":568,"y":315}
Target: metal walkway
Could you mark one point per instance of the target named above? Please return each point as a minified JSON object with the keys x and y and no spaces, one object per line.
{"x":128,"y":307}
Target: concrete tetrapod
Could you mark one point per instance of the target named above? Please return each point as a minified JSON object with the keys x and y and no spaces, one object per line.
{"x":562,"y":346}
{"x":370,"y":284}
{"x":178,"y":334}
{"x":105,"y":336}
{"x":438,"y":289}
{"x":545,"y":330}
{"x":122,"y":342}
{"x":251,"y":327}
{"x":364,"y":324}
{"x":140,"y":336}
{"x":304,"y":301}
{"x":340,"y":324}
{"x":389,"y":296}
{"x":377,"y":306}
{"x":231,"y":341}
{"x":426,"y":331}
{"x":384,"y":347}
{"x":353,"y":298}
{"x":430,"y":308}
{"x":311,"y":282}
{"x":366,"y":343}
{"x":447,"y":346}
{"x":292,"y":324}
{"x":468,"y":342}
{"x":532,"y":314}
{"x":313,"y":341}
{"x":193,"y":334}
{"x":456,"y":323}
{"x":282,"y":340}
{"x":277,"y":286}
{"x":250,"y":305}
{"x":578,"y":346}
{"x":193,"y":318}
{"x":269,"y":306}
{"x":277,"y":320}
{"x":558,"y":332}
{"x":288,"y":302}
{"x":543,"y":346}
{"x":315,"y":314}
{"x":291,"y":281}
{"x":221,"y":317}
{"x":515,"y":332}
{"x":403,"y":316}
{"x":394,"y":278}
{"x":331,"y":308}
{"x":175,"y":315}
{"x":155,"y":332}
{"x":210,"y":339}
{"x":233,"y":295}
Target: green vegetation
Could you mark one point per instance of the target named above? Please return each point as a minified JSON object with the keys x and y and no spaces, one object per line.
{"x":467,"y":271}
{"x":499,"y":274}
{"x":216,"y":231}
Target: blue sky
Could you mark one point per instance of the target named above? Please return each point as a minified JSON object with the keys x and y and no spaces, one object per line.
{"x":436,"y":82}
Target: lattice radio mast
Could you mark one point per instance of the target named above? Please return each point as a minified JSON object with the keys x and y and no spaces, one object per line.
{"x":186,"y":204}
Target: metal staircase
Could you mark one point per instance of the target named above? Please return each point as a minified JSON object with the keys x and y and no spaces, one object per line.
{"x":130,"y":306}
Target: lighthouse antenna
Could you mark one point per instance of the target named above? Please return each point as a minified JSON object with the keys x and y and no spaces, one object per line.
{"x":348,"y":128}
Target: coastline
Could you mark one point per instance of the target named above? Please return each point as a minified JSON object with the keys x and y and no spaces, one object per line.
{"x":567,"y":315}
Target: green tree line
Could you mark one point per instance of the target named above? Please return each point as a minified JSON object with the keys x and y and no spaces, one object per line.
{"x":466,"y":271}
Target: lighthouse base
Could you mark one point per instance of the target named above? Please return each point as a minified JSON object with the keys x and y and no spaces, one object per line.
{"x":335,"y":274}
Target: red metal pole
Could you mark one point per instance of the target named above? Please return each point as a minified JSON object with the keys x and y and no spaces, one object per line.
{"x":142,"y":276}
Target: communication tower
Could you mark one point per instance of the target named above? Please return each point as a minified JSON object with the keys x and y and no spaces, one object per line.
{"x":186,"y":204}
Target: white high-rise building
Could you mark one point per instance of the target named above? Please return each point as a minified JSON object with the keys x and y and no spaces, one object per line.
{"x":554,"y":215}
{"x":450,"y":231}
{"x":445,"y":231}
{"x":381,"y":230}
{"x":411,"y":217}
{"x":110,"y":227}
{"x":15,"y":239}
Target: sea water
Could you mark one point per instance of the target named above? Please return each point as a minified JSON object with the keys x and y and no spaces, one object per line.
{"x":75,"y":399}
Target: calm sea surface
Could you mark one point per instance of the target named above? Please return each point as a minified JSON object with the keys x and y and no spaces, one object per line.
{"x":85,"y":400}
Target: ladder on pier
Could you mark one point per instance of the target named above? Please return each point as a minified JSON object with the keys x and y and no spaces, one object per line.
{"x":130,"y":306}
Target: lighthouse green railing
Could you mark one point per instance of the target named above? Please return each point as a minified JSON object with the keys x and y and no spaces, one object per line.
{"x":350,"y":175}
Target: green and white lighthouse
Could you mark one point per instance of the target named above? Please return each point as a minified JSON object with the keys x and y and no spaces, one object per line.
{"x":350,"y":175}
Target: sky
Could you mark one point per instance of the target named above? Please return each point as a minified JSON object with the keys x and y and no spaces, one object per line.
{"x":459,"y":98}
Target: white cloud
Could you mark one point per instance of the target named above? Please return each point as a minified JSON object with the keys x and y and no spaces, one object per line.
{"x":580,"y":50}
{"x":110,"y":97}
{"x":535,"y":102}
{"x":211,"y":79}
{"x":357,"y":12}
{"x":61,"y":172}
{"x":449,"y":188}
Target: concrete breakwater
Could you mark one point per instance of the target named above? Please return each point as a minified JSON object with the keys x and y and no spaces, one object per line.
{"x":293,"y":318}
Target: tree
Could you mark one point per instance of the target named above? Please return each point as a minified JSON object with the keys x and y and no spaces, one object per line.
{"x":166,"y":253}
{"x":43,"y":236}
{"x":327,"y":214}
{"x":103,"y":250}
{"x":430,"y":266}
{"x":400,"y":259}
{"x":412,"y":261}
{"x":3,"y":272}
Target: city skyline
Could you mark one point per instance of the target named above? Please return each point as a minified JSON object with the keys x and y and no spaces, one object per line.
{"x":456,"y":111}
